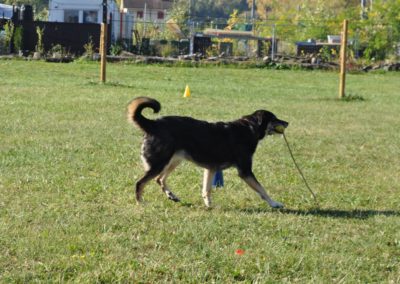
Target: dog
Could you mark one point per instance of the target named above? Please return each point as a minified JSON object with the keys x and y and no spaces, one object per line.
{"x":212,"y":146}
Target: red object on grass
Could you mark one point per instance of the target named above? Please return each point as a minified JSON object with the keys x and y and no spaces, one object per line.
{"x":239,"y":252}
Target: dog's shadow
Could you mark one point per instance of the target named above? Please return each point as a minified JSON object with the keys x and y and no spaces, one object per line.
{"x":318,"y":212}
{"x":329,"y":213}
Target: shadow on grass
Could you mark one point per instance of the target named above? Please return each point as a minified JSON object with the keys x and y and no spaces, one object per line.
{"x":330,"y":213}
{"x":347,"y":98}
{"x":111,"y":84}
{"x":186,"y":204}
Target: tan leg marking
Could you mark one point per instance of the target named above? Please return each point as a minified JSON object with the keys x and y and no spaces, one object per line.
{"x":256,"y":186}
{"x":162,"y":178}
{"x":207,"y":181}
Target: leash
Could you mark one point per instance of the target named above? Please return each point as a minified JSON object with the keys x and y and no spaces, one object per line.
{"x":298,"y":168}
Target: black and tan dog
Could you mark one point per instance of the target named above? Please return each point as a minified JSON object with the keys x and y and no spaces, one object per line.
{"x":213,"y":146}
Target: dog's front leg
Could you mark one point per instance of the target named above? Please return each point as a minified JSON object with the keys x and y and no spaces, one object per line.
{"x":254,"y":184}
{"x":207,"y":181}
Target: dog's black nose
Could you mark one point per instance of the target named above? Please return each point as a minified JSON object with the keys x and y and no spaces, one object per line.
{"x":284,"y":123}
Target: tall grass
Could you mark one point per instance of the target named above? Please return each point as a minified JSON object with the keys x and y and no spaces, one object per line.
{"x":69,"y":161}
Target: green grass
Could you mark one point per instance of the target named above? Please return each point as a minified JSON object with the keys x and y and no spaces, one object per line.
{"x":69,"y":161}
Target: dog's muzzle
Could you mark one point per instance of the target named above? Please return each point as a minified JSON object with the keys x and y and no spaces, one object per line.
{"x":277,"y":127}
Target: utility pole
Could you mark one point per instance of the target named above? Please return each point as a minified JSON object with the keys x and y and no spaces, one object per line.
{"x":145,"y":19}
{"x":363,"y":13}
{"x":191,"y":36}
{"x":253,"y":4}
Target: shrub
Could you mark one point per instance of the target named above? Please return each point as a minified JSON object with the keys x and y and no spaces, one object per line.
{"x":39,"y":46}
{"x":89,"y":48}
{"x":18,"y":38}
{"x":116,"y":49}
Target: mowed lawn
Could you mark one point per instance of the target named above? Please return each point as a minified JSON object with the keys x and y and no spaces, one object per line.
{"x":69,"y":161}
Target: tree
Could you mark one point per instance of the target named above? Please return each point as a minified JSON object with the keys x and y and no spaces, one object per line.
{"x":380,"y":32}
{"x":39,"y":6}
{"x":294,"y":9}
{"x":217,"y":8}
{"x":180,"y":11}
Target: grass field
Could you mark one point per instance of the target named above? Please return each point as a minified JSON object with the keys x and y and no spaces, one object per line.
{"x":69,"y":161}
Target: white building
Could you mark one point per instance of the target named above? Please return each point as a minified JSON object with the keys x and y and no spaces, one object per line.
{"x":6,"y":11}
{"x":147,"y":10}
{"x":84,"y":11}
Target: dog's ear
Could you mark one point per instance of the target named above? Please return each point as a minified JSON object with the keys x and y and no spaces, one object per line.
{"x":260,"y":117}
{"x":262,"y":121}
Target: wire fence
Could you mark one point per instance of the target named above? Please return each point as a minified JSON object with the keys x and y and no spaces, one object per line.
{"x":254,"y":38}
{"x":154,"y":34}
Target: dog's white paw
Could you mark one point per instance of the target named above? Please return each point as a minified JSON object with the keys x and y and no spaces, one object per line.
{"x":207,"y":201}
{"x":275,"y":204}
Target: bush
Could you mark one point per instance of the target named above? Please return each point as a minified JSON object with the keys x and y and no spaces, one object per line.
{"x":89,"y":48}
{"x":18,"y":38}
{"x":3,"y":46}
{"x":116,"y":49}
{"x":9,"y":30}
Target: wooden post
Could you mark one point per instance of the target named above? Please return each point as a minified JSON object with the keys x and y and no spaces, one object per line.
{"x":103,"y":52}
{"x":273,"y":43}
{"x":343,"y":52}
{"x":103,"y":43}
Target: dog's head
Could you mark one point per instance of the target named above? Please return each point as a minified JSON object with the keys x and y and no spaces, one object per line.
{"x":268,"y":123}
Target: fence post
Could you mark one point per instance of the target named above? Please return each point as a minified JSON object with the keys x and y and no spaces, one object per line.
{"x":343,"y":49}
{"x":103,"y":52}
{"x":103,"y":44}
{"x":273,"y":43}
{"x":191,"y":39}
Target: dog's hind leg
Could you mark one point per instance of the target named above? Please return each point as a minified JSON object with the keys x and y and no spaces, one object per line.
{"x":162,"y":179}
{"x":149,"y":175}
{"x":251,"y":180}
{"x":155,"y":157}
{"x":207,"y":181}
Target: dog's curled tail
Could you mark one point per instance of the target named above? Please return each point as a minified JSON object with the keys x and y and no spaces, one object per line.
{"x":135,"y":108}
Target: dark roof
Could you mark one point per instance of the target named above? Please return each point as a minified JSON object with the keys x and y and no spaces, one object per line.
{"x":151,"y":4}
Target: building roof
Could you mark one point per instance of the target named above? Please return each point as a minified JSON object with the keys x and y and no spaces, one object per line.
{"x":150,"y":4}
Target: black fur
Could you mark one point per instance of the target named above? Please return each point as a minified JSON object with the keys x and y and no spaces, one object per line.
{"x":214,"y":146}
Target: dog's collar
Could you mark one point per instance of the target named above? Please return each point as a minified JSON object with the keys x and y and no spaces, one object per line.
{"x":251,"y":125}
